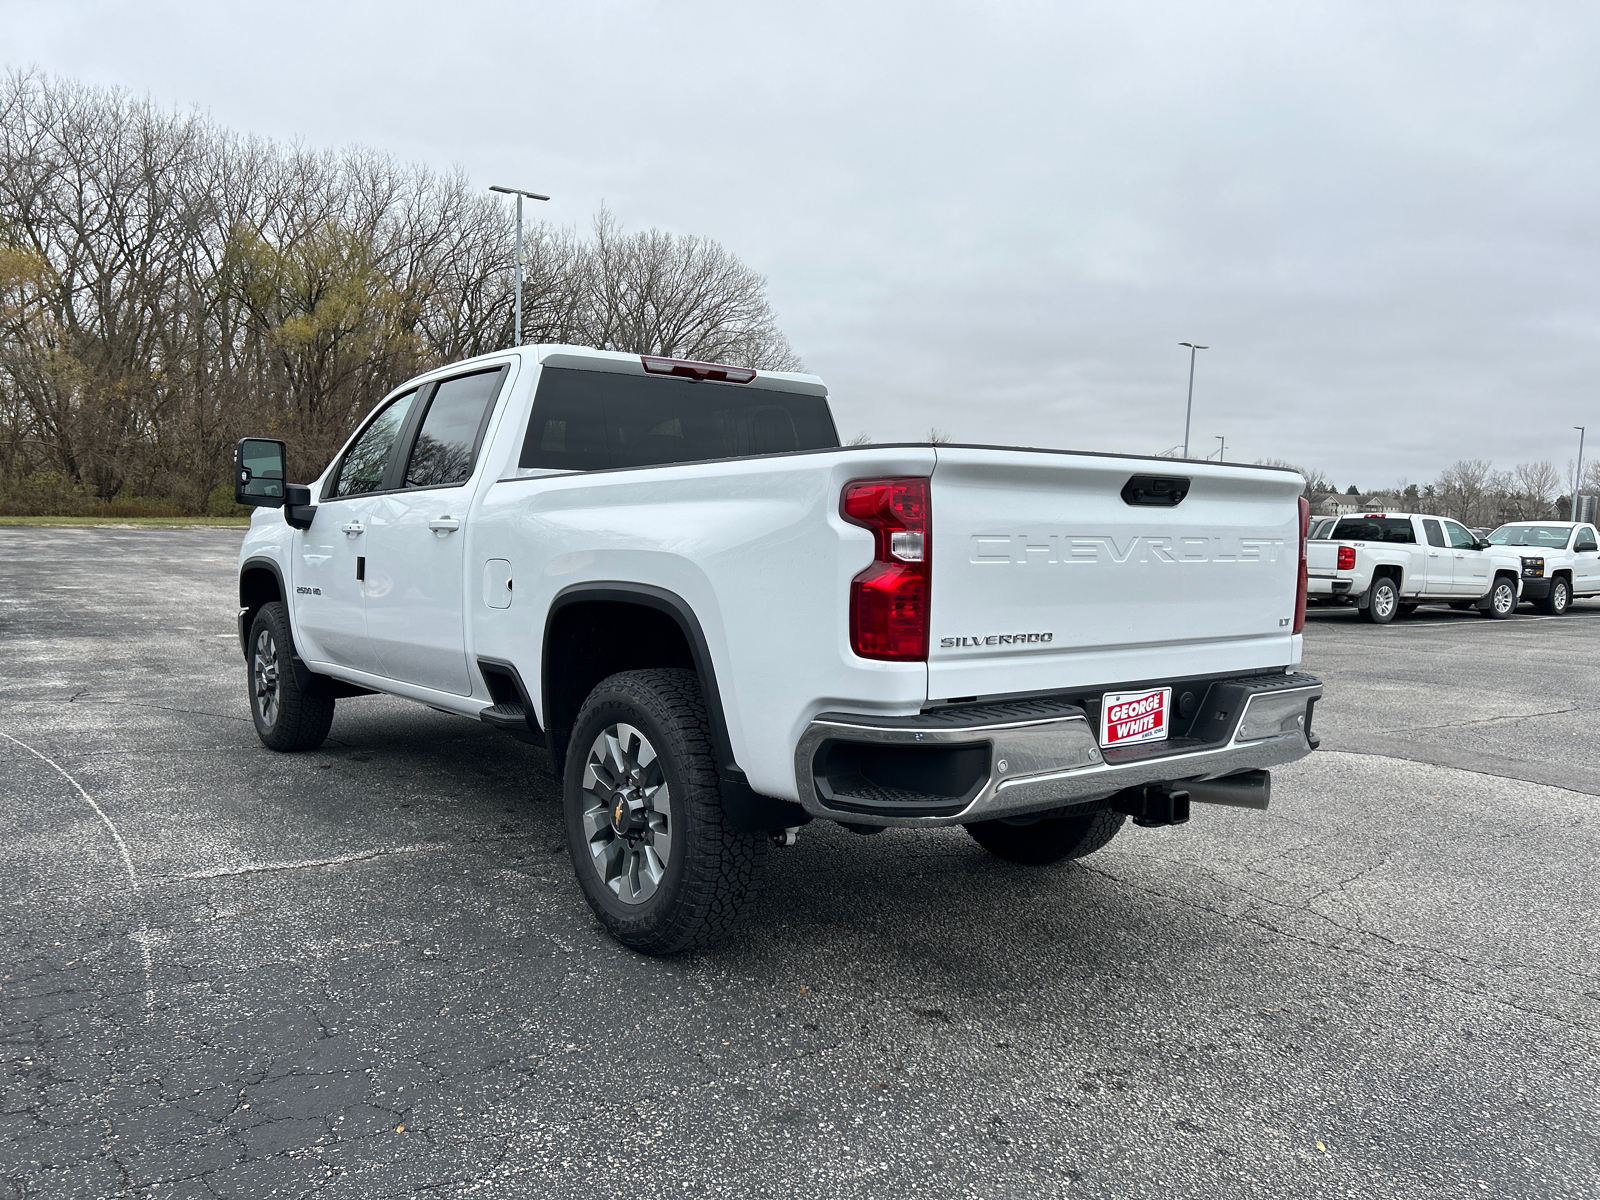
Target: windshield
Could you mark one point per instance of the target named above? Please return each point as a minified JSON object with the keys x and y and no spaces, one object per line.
{"x":1546,"y":537}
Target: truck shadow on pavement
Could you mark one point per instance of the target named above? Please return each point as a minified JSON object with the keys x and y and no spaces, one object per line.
{"x":930,"y":909}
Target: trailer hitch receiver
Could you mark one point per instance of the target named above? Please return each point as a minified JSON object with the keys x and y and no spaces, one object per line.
{"x":1153,"y":805}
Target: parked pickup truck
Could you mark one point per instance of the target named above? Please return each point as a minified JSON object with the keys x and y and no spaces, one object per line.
{"x":722,"y":624}
{"x":1389,"y":563}
{"x":1560,"y":561}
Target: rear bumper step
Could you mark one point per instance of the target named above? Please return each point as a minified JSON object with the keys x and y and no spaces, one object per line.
{"x":977,"y":762}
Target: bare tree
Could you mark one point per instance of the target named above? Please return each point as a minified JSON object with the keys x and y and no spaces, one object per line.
{"x":167,"y":285}
{"x":1463,"y":488}
{"x":1316,"y":481}
{"x":1533,"y":491}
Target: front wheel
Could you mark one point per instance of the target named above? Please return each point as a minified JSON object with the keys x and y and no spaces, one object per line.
{"x":1051,"y":839}
{"x":1502,"y":600}
{"x":1383,"y":601}
{"x":1559,"y":599}
{"x":654,"y":855}
{"x":288,"y":717}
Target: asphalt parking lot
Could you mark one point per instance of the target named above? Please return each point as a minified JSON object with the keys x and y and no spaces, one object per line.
{"x":368,"y":972}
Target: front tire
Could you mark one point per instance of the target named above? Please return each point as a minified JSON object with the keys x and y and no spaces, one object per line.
{"x":287,"y":717}
{"x":1383,"y":601}
{"x":1502,"y":600}
{"x":1559,"y":599}
{"x":654,"y":854}
{"x":1050,"y":840}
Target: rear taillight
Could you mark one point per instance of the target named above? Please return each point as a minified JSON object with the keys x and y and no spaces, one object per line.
{"x":889,"y":600}
{"x":1347,"y":558}
{"x":1300,"y":587}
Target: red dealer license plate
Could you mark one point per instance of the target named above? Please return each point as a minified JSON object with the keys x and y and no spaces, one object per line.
{"x":1135,"y":716}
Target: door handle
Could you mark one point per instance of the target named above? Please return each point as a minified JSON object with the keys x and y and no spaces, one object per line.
{"x":1433,"y":554}
{"x":353,"y":528}
{"x":445,"y":524}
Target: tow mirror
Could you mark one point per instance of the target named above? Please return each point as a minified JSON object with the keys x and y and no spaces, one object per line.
{"x":258,"y":473}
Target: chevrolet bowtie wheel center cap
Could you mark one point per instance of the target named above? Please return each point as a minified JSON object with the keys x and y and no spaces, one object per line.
{"x":628,"y":813}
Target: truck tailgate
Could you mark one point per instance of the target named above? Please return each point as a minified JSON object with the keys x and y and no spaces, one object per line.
{"x":1044,"y":578}
{"x":1322,"y":557}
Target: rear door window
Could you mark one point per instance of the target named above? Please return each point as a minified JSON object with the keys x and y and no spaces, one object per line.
{"x":452,"y":429}
{"x":365,"y":463}
{"x":594,"y":420}
{"x":1435,"y":534}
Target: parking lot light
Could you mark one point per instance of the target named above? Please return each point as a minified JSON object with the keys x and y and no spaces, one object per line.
{"x":519,"y":194}
{"x":1188,"y":409}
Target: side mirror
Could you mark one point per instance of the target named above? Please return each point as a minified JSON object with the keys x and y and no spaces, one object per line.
{"x":1483,"y":544}
{"x":258,"y":473}
{"x":1585,"y":548}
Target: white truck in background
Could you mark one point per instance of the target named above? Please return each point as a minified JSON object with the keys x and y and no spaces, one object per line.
{"x":1560,"y":561}
{"x":721,"y":624}
{"x":1387,"y":564}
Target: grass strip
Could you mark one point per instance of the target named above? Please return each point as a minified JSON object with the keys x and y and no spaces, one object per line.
{"x":126,"y":522}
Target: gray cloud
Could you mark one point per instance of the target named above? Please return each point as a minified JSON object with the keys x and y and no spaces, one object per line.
{"x":1000,"y":219}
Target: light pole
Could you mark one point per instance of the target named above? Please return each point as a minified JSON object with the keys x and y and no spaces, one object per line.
{"x":1188,"y":410}
{"x":1222,"y":450}
{"x":519,"y":194}
{"x":1577,"y":479}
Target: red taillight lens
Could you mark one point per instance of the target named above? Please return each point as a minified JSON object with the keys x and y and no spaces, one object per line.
{"x":1300,"y":587}
{"x":889,"y":600}
{"x":1347,"y":558}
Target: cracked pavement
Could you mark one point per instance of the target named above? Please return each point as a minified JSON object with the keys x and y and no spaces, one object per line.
{"x":367,"y":971}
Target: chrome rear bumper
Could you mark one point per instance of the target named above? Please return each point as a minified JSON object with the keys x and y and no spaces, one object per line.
{"x":1013,"y":758}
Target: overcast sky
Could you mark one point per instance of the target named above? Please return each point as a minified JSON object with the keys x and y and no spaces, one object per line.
{"x":1000,"y":219}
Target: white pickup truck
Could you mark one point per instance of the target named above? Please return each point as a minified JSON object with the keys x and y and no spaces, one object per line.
{"x":1389,"y":563}
{"x":1560,"y":561}
{"x":721,"y":624}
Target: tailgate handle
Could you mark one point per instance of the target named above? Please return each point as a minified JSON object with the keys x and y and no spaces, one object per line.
{"x":1155,"y":491}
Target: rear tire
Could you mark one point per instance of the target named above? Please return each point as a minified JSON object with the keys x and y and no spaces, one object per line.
{"x":1383,"y":601}
{"x":287,"y":717}
{"x":656,"y":859}
{"x":1559,"y":599}
{"x":1052,"y":839}
{"x":1502,"y":600}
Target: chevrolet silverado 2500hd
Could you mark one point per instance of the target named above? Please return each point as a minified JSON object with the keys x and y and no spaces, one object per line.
{"x":722,"y":624}
{"x":1389,"y":563}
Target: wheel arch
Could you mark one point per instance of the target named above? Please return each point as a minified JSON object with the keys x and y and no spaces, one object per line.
{"x":260,"y":582}
{"x":593,"y":630}
{"x":1392,"y":571}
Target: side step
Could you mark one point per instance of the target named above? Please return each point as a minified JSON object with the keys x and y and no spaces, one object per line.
{"x":513,"y":719}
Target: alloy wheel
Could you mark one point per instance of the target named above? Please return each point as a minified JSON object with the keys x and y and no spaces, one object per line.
{"x":264,"y":677}
{"x":1505,"y":598}
{"x":1383,"y":600}
{"x":626,"y":813}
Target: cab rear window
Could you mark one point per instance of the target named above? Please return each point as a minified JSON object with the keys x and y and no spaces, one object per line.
{"x":1375,"y":529}
{"x":594,"y":420}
